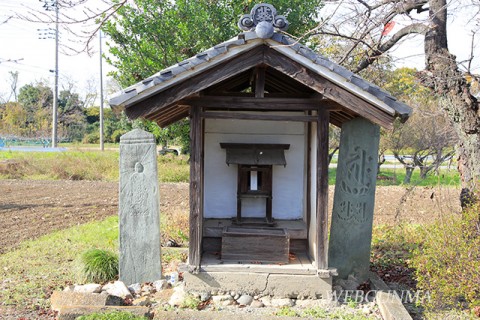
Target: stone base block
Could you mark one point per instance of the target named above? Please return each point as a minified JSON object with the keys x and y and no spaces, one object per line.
{"x":67,"y":298}
{"x":276,"y":285}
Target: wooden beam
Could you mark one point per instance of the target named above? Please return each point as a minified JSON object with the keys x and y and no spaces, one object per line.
{"x":234,"y":102}
{"x":197,"y":83}
{"x":247,"y":116}
{"x":286,"y":95}
{"x":196,"y":209}
{"x":322,"y":190}
{"x":260,"y":82}
{"x":327,"y":88}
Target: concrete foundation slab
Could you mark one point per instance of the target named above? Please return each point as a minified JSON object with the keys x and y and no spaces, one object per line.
{"x":277,"y":285}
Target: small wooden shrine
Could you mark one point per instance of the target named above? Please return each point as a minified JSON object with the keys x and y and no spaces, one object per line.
{"x":260,"y":106}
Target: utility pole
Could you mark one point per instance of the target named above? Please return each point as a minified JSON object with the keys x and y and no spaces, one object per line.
{"x":101,"y":92}
{"x":49,"y":6}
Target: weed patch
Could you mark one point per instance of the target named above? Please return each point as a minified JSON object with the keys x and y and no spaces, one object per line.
{"x":319,"y":313}
{"x":173,"y":168}
{"x":33,"y":271}
{"x":38,"y":267}
{"x":111,"y":316}
{"x":287,"y":312}
{"x":70,"y":165}
{"x":82,"y":165}
{"x":392,"y":251}
{"x":175,"y":225}
{"x":448,"y":261}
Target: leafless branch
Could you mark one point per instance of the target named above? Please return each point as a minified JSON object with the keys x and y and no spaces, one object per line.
{"x":73,"y":14}
{"x":417,"y":28}
{"x":6,"y":20}
{"x":360,"y":24}
{"x":469,"y":68}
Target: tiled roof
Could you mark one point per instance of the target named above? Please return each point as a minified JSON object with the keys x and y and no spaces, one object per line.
{"x":336,"y":73}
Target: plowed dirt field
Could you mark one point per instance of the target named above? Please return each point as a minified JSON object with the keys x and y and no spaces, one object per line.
{"x":29,"y":209}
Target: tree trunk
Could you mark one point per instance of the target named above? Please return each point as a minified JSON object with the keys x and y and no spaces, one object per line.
{"x":381,"y":160}
{"x":442,"y":75}
{"x":408,"y":174}
{"x":423,"y":172}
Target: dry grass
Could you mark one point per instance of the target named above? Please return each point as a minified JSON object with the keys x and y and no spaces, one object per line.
{"x":81,"y":165}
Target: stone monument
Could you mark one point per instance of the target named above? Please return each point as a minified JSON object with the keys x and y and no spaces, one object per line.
{"x":139,"y":209}
{"x":354,"y":198}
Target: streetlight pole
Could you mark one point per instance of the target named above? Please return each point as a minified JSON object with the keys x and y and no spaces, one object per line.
{"x":49,"y":4}
{"x":101,"y":93}
{"x":55,"y":97}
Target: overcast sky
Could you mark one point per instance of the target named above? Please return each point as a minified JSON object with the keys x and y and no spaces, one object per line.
{"x":21,"y":50}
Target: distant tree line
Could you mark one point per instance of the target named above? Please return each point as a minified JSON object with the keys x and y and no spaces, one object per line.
{"x":30,"y":117}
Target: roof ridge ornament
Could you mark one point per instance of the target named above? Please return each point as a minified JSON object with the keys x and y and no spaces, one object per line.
{"x":263,"y":19}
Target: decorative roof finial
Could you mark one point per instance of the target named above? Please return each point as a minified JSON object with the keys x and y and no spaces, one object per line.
{"x":263,"y":18}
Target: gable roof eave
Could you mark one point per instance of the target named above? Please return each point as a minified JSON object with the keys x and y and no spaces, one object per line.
{"x":284,"y":45}
{"x":340,"y":76}
{"x":170,"y":76}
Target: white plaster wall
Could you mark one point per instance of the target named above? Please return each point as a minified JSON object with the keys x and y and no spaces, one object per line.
{"x":220,"y":186}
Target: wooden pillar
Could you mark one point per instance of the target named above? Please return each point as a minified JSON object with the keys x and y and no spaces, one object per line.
{"x":196,"y":189}
{"x":322,"y":189}
{"x":309,"y":179}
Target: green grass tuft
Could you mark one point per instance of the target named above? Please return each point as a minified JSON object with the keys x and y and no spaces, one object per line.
{"x":98,"y":266}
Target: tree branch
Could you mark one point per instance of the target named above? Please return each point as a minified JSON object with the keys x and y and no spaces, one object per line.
{"x":96,"y":17}
{"x":417,"y":28}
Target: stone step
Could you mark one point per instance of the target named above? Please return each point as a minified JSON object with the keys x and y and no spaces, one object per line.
{"x":69,"y":298}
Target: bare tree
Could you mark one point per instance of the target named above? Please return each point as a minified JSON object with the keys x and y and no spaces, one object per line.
{"x":91,"y":92}
{"x":425,"y":141}
{"x":365,"y":24}
{"x":13,"y":85}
